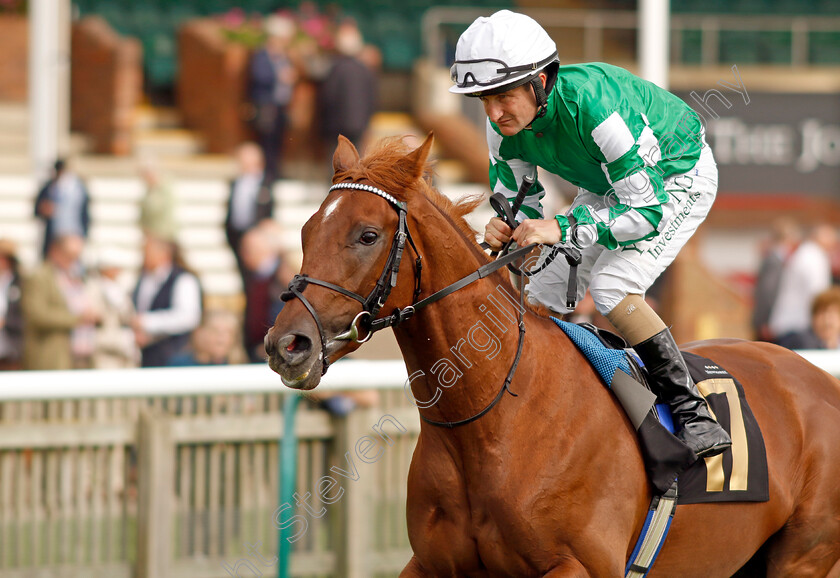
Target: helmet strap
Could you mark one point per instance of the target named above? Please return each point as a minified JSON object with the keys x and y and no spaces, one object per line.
{"x":539,"y":94}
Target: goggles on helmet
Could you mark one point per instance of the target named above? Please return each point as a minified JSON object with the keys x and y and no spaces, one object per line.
{"x":490,"y":71}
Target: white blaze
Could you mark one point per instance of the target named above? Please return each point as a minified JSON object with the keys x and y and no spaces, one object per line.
{"x":331,"y":207}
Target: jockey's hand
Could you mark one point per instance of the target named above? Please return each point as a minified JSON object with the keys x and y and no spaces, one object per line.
{"x":542,"y":231}
{"x":496,"y":233}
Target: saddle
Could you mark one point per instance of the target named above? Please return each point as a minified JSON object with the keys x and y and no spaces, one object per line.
{"x":665,"y":456}
{"x":737,"y":475}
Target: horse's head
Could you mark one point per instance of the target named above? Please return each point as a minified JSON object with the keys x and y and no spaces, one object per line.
{"x":352,"y":248}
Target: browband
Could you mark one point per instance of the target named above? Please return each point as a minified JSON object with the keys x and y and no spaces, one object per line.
{"x":368,"y":188}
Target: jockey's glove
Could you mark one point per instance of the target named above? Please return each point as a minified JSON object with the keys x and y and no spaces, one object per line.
{"x":578,"y":229}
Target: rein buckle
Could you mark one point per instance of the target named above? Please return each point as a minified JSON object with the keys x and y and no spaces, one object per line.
{"x":406,"y":314}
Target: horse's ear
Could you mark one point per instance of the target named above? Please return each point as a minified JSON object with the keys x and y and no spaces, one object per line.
{"x":416,"y":160}
{"x":345,"y":155}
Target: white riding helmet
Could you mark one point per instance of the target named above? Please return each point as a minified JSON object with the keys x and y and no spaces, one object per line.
{"x":500,"y":52}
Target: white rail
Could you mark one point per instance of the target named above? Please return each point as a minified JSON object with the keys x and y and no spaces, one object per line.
{"x":171,"y":381}
{"x":258,"y":378}
{"x":825,"y":359}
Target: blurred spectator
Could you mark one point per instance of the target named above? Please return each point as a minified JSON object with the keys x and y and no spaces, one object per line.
{"x":785,"y":236}
{"x":341,"y":404}
{"x":347,"y":95}
{"x":59,"y":312}
{"x":372,"y":57}
{"x":63,"y":205}
{"x":824,"y":332}
{"x":167,"y":299}
{"x":11,"y":316}
{"x":806,"y":274}
{"x":157,"y":208}
{"x":115,"y":345}
{"x":215,"y":342}
{"x":267,"y":275}
{"x":250,"y":200}
{"x":272,"y":80}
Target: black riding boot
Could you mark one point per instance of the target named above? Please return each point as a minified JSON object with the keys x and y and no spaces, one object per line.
{"x":695,"y":425}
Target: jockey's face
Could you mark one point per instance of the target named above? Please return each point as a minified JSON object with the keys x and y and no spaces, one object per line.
{"x":513,"y":110}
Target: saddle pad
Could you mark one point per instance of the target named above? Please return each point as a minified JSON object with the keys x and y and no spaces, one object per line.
{"x":737,"y":475}
{"x":605,"y":360}
{"x":740,"y":473}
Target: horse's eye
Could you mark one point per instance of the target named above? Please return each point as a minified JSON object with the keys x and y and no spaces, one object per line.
{"x":368,"y":238}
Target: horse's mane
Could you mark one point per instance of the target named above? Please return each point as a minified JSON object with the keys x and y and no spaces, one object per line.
{"x":380,"y":167}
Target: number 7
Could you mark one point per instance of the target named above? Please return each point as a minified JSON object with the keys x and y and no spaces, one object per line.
{"x":715,"y":476}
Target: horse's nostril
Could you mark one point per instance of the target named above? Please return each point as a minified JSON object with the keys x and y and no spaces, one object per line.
{"x":299,"y":344}
{"x":293,"y":347}
{"x":285,"y":342}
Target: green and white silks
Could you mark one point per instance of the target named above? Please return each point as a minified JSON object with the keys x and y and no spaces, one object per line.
{"x":632,"y":148}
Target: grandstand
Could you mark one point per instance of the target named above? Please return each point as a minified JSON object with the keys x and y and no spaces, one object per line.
{"x":748,"y":31}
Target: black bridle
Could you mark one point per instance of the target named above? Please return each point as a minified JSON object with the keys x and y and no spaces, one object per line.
{"x":376,"y":299}
{"x":373,"y":303}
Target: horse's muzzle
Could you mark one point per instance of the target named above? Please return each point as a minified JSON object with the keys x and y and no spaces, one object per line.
{"x":293,"y":358}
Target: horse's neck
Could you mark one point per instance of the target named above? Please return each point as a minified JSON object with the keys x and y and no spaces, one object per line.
{"x":460,"y":349}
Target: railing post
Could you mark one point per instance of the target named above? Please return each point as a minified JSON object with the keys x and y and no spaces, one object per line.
{"x":355,"y":544}
{"x":709,"y":42}
{"x":286,"y":479}
{"x":593,"y":38}
{"x":156,"y":482}
{"x":799,"y":42}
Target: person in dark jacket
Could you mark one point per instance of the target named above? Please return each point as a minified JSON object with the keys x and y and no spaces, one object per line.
{"x":272,"y":80}
{"x":786,"y":235}
{"x":11,"y":315}
{"x":347,"y":96}
{"x":63,"y":205}
{"x":269,"y":273}
{"x":250,"y":201}
{"x":168,"y":302}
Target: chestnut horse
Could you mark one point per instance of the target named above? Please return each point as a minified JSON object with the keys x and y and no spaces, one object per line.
{"x":549,"y":482}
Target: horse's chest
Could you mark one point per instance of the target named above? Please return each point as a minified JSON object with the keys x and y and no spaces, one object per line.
{"x":511,"y":533}
{"x":487,"y":514}
{"x":460,"y":526}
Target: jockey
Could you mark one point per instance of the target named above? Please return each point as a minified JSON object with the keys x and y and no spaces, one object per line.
{"x":646,"y":179}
